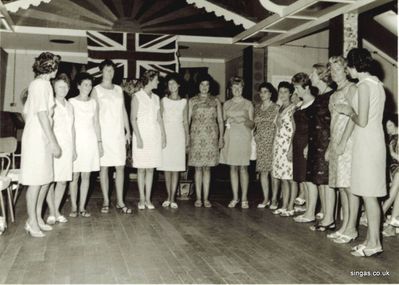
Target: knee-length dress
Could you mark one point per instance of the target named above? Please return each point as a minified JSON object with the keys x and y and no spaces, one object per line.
{"x":110,"y":112}
{"x":63,"y":131}
{"x":237,"y":137}
{"x":150,"y":156}
{"x":264,"y":133}
{"x":88,"y":158}
{"x":174,"y":154}
{"x":299,"y":142}
{"x":319,"y":138}
{"x":36,"y":156}
{"x":368,"y":151}
{"x":340,"y":166}
{"x":281,"y":166}
{"x":204,"y":133}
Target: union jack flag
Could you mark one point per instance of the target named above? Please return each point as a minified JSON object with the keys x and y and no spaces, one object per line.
{"x":132,"y":53}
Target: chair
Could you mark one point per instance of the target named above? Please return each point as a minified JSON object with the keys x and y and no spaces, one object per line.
{"x":8,"y":147}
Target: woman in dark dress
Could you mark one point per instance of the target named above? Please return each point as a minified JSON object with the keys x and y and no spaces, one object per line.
{"x":319,"y":138}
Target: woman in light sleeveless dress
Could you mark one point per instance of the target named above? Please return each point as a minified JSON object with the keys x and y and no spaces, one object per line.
{"x":64,"y":131}
{"x":115,"y":134}
{"x":206,"y":129}
{"x":368,"y":152}
{"x":238,"y":113}
{"x":148,"y":136}
{"x":39,"y":144}
{"x":339,"y":152}
{"x":174,"y":113}
{"x":88,"y":143}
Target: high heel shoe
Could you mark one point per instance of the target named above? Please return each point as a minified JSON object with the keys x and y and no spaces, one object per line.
{"x":233,"y":203}
{"x":45,"y":227}
{"x":149,"y":206}
{"x":345,"y":238}
{"x":367,"y":252}
{"x":321,"y":228}
{"x":36,"y":234}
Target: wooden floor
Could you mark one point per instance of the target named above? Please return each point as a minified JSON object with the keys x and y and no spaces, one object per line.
{"x":187,"y":245}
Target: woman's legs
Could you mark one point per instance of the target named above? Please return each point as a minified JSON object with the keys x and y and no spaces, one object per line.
{"x":292,"y":195}
{"x":58,"y":195}
{"x":168,"y":184}
{"x":175,"y":180}
{"x":141,"y":184}
{"x":373,"y":212}
{"x":149,"y":175}
{"x":285,"y":186}
{"x":310,"y":201}
{"x":74,"y":191}
{"x":329,"y":205}
{"x":104,"y":182}
{"x":84,"y":189}
{"x":264,"y":182}
{"x":119,"y":181}
{"x":32,"y":194}
{"x":244,"y":183}
{"x":351,"y":229}
{"x":198,"y":183}
{"x":275,"y":186}
{"x":234,"y":181}
{"x":344,"y":193}
{"x":40,"y":201}
{"x":393,"y":193}
{"x":322,"y":195}
{"x":50,"y":199}
{"x":207,"y":181}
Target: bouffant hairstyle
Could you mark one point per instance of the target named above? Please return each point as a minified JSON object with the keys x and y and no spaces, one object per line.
{"x":303,"y":80}
{"x":360,"y":59}
{"x":82,"y":77}
{"x":323,"y":72}
{"x":62,"y":77}
{"x":286,"y":84}
{"x":147,"y":76}
{"x":204,"y":77}
{"x":45,"y":63}
{"x":106,"y":62}
{"x":271,"y":89}
{"x":236,"y":80}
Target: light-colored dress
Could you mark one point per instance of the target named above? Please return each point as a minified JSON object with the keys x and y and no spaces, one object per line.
{"x":36,"y":156}
{"x":369,"y":152}
{"x":204,"y":133}
{"x":237,"y":137}
{"x":88,"y":158}
{"x":281,"y":166}
{"x":63,"y":131}
{"x":265,"y":129}
{"x":174,"y":154}
{"x":339,"y":165}
{"x":111,"y":110}
{"x":150,"y":156}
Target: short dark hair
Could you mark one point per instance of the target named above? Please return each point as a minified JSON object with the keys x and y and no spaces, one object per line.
{"x":106,"y":62}
{"x":147,"y":76}
{"x":360,"y":59}
{"x":62,"y":77}
{"x":271,"y":89}
{"x":45,"y":63}
{"x":172,"y":77}
{"x":303,"y":79}
{"x":287,"y":85}
{"x":82,"y":77}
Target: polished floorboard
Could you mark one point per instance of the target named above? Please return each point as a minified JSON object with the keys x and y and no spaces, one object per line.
{"x":185,"y":245}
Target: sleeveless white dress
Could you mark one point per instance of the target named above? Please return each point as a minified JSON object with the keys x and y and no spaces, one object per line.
{"x":368,"y":151}
{"x":63,"y":129}
{"x":88,"y":158}
{"x":150,"y":156}
{"x":111,"y":111}
{"x":36,"y":156}
{"x":174,"y":154}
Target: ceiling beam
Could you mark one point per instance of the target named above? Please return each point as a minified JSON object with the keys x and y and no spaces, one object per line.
{"x":5,"y":18}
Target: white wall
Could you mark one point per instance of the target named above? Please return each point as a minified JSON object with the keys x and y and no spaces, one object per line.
{"x":216,"y":69}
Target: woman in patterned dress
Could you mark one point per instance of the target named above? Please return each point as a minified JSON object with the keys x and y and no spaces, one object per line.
{"x":339,"y":151}
{"x":392,"y":131}
{"x":368,"y":177}
{"x":206,"y":120}
{"x":319,"y":137}
{"x":238,"y":114}
{"x":39,"y":144}
{"x":282,"y":149}
{"x":265,"y":114}
{"x":148,"y":136}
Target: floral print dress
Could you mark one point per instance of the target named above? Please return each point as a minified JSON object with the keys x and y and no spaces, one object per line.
{"x":281,"y":166}
{"x":204,"y":133}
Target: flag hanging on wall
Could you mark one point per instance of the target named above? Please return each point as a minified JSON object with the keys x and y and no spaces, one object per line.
{"x":132,"y":53}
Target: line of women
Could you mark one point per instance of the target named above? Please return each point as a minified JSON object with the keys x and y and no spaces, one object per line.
{"x":310,"y":139}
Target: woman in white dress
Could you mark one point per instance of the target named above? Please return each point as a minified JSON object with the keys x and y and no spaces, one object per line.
{"x":368,"y":152}
{"x":174,"y":113}
{"x":39,"y":144}
{"x":148,"y":136}
{"x":65,"y":134}
{"x":88,"y":143}
{"x":115,"y":134}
